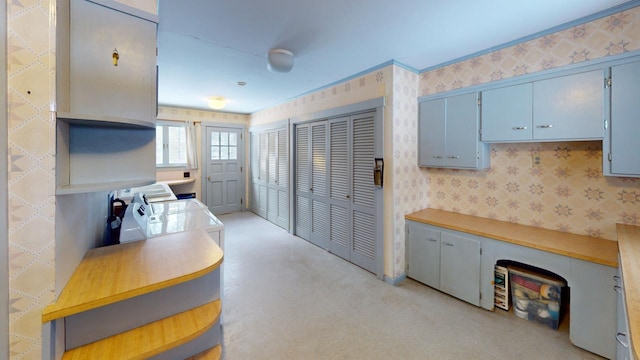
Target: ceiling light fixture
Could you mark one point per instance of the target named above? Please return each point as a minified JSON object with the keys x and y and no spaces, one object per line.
{"x":217,"y":102}
{"x":280,"y":60}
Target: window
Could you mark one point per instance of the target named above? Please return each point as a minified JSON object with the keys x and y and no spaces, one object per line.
{"x":224,"y":145}
{"x":171,"y":145}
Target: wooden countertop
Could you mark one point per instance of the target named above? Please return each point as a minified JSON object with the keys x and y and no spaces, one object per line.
{"x":629,"y":244}
{"x":597,"y":250}
{"x":114,"y":273}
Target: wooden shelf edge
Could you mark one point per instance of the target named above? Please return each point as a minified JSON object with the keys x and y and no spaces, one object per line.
{"x":52,"y":312}
{"x":153,"y":338}
{"x":215,"y":353}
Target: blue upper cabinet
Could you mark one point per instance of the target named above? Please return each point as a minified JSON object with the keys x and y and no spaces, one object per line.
{"x":507,"y":113}
{"x":106,"y":65}
{"x":569,"y":107}
{"x":562,"y":108}
{"x":621,"y":147}
{"x":448,"y":131}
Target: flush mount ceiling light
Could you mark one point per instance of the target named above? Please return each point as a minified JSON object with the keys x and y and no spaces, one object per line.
{"x":280,"y":60}
{"x":217,"y":102}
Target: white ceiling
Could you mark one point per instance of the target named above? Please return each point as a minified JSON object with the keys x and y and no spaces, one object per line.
{"x":206,"y":46}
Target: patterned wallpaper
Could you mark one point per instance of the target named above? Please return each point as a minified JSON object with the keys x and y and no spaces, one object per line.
{"x":410,"y":185}
{"x":31,"y":174}
{"x":365,"y":87}
{"x":566,"y":191}
{"x":562,"y":189}
{"x":31,"y":147}
{"x":607,"y":36}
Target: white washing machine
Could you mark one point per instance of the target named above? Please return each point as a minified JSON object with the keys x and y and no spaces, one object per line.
{"x":178,"y":206}
{"x":141,"y":221}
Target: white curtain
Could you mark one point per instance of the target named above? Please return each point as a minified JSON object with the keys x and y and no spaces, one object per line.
{"x":192,"y":154}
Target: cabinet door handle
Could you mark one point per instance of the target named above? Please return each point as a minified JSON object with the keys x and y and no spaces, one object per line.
{"x":437,"y":157}
{"x":432,"y":240}
{"x":519,"y":128}
{"x":616,"y":278}
{"x":454,"y":157}
{"x":348,"y":196}
{"x":619,"y":337}
{"x":618,"y":289}
{"x":548,"y":126}
{"x":448,"y":244}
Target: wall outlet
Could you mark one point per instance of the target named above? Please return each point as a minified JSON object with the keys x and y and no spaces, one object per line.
{"x":536,"y":159}
{"x":187,"y":174}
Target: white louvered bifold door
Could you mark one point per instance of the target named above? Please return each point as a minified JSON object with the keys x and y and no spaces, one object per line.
{"x":272,"y":176}
{"x":255,"y":169}
{"x":302,"y":181}
{"x":363,"y":247}
{"x":319,"y":199}
{"x":281,"y":180}
{"x":339,"y":188}
{"x":262,"y":175}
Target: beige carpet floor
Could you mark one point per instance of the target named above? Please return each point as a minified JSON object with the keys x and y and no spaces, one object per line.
{"x":285,"y":298}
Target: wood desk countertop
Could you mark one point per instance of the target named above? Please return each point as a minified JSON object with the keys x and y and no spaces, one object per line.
{"x":114,"y":273}
{"x":597,"y":250}
{"x":629,"y":244}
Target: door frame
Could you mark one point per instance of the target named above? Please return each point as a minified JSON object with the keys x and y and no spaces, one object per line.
{"x":374,"y":105}
{"x":242,"y":159}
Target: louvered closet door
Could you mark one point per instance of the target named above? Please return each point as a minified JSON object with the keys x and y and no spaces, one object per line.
{"x":339,"y":188}
{"x":255,"y":169}
{"x":283,"y":173}
{"x":363,"y":247}
{"x":319,"y":200}
{"x":272,"y":176}
{"x":262,"y":175}
{"x":303,"y":182}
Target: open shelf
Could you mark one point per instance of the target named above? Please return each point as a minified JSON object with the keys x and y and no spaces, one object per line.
{"x":215,"y":353}
{"x":153,"y":338}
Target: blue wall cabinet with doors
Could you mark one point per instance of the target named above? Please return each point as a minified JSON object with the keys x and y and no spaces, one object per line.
{"x":568,"y":107}
{"x":448,"y":130}
{"x":105,"y":96}
{"x":621,"y":147}
{"x":445,"y":260}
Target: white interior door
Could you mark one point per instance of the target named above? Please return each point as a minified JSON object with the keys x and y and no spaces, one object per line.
{"x":224,"y":168}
